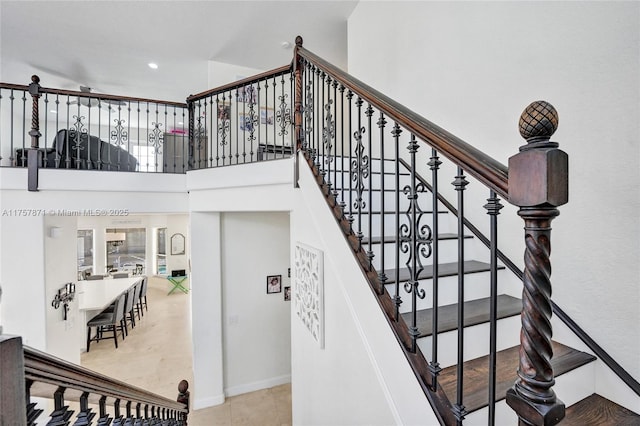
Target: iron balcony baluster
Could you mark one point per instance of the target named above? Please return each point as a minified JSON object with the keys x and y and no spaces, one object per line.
{"x":460,"y":183}
{"x":24,"y":126}
{"x":318,"y":124}
{"x":11,"y":102}
{"x":434,"y":366}
{"x":322,"y":164}
{"x":238,"y":128}
{"x":328,"y":136}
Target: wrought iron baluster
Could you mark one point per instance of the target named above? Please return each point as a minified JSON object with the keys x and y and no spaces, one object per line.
{"x":129,"y":150}
{"x":46,"y":127}
{"x":328,"y":137}
{"x":382,"y":276}
{"x":322,"y":164}
{"x":11,"y":150}
{"x":335,"y":152}
{"x":318,"y":113}
{"x":275,"y":138}
{"x":247,"y":123}
{"x":434,"y":365}
{"x":66,"y":139}
{"x":415,"y":239}
{"x":350,"y":165}
{"x":32,"y":412}
{"x":266,"y":115}
{"x":370,"y":255}
{"x":24,"y":126}
{"x":493,"y":207}
{"x":342,"y":167}
{"x":85,"y":416}
{"x":397,"y":300}
{"x":239,"y":127}
{"x":61,"y":413}
{"x":361,"y":172}
{"x":460,"y":183}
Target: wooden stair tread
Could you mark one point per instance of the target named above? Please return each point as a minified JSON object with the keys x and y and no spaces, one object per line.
{"x":476,"y":373}
{"x":596,"y":410}
{"x":445,"y":270}
{"x":475,"y":312}
{"x":392,"y":239}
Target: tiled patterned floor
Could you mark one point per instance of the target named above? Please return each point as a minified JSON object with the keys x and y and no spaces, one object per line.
{"x":157,"y":355}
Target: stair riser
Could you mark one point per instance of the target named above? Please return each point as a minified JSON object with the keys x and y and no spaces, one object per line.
{"x":361,"y":223}
{"x":424,"y":200}
{"x":476,"y":341}
{"x":447,"y":252}
{"x":344,"y":163}
{"x":477,"y":286}
{"x":570,"y":388}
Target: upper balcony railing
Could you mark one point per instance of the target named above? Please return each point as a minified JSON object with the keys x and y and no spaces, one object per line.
{"x":242,"y":122}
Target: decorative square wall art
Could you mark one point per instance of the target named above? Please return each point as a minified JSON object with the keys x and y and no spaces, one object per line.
{"x":308,"y":289}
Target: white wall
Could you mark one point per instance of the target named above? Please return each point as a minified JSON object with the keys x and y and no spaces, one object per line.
{"x":472,"y":67}
{"x":256,"y":325}
{"x":60,"y":268}
{"x":361,"y":376}
{"x":206,"y":310}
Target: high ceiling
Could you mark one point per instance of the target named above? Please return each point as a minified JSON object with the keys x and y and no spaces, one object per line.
{"x":108,"y":44}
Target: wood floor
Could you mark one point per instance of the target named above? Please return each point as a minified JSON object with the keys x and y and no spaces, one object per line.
{"x":157,"y":355}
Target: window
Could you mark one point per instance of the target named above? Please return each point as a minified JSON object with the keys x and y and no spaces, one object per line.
{"x":126,"y":249}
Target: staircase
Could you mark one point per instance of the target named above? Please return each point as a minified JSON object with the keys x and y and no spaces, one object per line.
{"x":573,"y":368}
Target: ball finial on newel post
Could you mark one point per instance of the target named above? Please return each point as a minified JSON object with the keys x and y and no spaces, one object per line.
{"x":299,"y":41}
{"x":538,"y":184}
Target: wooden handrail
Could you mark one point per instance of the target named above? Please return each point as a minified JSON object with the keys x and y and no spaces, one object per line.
{"x":42,"y":367}
{"x":103,"y":96}
{"x":478,"y":164}
{"x":274,"y":72}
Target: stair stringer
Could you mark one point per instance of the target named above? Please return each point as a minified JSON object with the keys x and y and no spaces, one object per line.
{"x":313,"y":223}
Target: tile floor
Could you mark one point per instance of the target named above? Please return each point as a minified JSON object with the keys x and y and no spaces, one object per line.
{"x":157,"y":355}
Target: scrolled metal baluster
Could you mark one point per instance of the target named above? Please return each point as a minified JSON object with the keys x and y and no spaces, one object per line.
{"x":415,"y":239}
{"x":328,"y":138}
{"x":342,"y":167}
{"x":434,"y":366}
{"x":321,"y":146}
{"x":335,"y":152}
{"x":360,"y":171}
{"x":318,"y":123}
{"x":460,"y":184}
{"x":308,"y":109}
{"x":350,"y":165}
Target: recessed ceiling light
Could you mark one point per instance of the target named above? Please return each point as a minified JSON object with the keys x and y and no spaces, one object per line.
{"x":180,"y":123}
{"x":285,"y":45}
{"x":53,"y":111}
{"x":153,"y":65}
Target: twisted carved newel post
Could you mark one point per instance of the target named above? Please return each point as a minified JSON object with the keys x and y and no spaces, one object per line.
{"x":538,"y":183}
{"x":298,"y":66}
{"x":33,"y":160}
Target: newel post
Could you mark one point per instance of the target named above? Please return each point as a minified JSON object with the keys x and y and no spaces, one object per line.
{"x":298,"y":65}
{"x":183,"y":398}
{"x":33,"y":155}
{"x":538,"y":183}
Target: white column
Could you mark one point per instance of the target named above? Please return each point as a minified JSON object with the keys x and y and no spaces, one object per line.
{"x":206,"y":310}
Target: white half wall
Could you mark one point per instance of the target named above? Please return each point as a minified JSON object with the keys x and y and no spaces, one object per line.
{"x":472,"y":67}
{"x":256,"y":325}
{"x":361,"y":377}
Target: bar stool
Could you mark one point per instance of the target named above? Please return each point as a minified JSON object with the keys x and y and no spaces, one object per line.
{"x":108,"y":321}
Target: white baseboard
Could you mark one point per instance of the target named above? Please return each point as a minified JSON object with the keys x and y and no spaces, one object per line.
{"x":254,"y":386}
{"x":199,"y":404}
